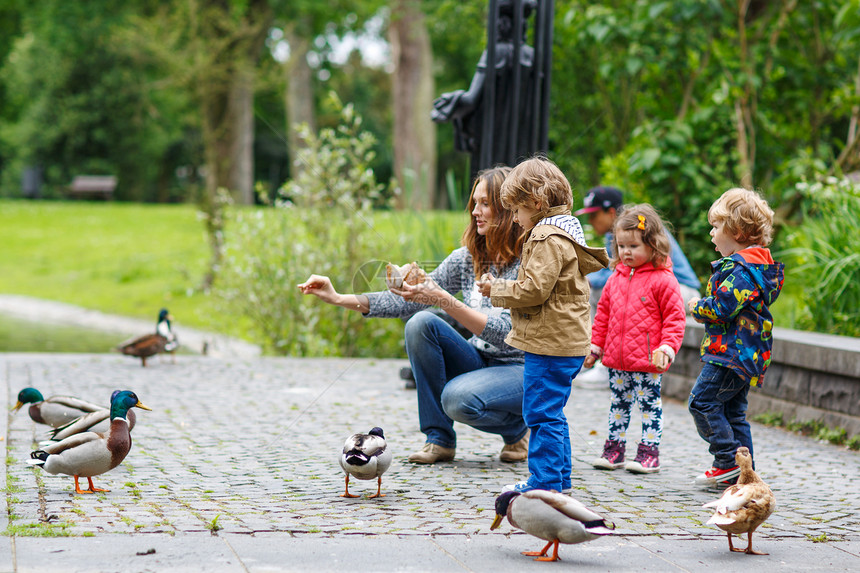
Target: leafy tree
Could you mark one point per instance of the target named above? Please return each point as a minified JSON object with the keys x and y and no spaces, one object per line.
{"x":306,"y":26}
{"x":74,"y":101}
{"x":323,"y":223}
{"x":677,"y":100}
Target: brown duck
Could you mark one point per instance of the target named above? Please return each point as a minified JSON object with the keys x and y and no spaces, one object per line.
{"x":162,"y":340}
{"x":745,"y":505}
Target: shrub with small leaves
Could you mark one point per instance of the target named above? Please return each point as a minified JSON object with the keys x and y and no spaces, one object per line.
{"x":825,"y":256}
{"x":322,"y":223}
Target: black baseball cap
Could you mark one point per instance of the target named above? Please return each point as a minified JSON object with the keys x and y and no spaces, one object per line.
{"x":601,"y":198}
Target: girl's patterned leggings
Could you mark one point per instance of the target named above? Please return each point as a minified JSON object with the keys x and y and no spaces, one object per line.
{"x":626,"y":389}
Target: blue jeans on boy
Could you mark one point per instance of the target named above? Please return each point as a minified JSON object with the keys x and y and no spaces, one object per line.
{"x":454,"y":382}
{"x":546,"y":389}
{"x":718,"y":403}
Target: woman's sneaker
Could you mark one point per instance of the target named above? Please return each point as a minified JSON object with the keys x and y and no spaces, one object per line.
{"x":613,"y":456}
{"x":647,"y":460}
{"x":717,"y":476}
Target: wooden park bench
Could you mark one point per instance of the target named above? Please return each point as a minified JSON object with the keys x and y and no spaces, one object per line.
{"x":92,"y":187}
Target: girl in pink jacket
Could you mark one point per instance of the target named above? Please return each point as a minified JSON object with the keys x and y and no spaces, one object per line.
{"x":637,"y":330}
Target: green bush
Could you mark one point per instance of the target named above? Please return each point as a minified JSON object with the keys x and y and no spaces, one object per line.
{"x":824,"y":257}
{"x":324,"y":223}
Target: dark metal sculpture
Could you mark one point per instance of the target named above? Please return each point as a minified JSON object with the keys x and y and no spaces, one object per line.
{"x":504,"y":115}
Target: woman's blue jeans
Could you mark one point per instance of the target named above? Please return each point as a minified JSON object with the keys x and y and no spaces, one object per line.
{"x":718,"y":403}
{"x":547,"y":388}
{"x":455,"y":383}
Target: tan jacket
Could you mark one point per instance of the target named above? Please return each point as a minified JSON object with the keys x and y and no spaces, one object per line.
{"x":549,"y":299}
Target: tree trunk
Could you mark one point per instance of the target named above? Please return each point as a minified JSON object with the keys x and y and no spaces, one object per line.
{"x":413,"y":89}
{"x":744,"y":119}
{"x":226,"y":95}
{"x":241,"y":161}
{"x":226,"y":98}
{"x":299,"y":95}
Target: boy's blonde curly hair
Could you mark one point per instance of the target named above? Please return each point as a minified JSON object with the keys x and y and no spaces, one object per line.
{"x":539,"y":179}
{"x":745,"y":215}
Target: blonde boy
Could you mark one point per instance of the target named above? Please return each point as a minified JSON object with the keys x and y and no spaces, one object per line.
{"x":550,"y":318}
{"x":738,"y":327}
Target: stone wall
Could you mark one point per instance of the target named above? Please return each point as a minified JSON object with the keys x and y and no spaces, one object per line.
{"x":812,"y":377}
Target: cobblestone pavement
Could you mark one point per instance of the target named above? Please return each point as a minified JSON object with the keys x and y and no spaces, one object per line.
{"x":250,"y":446}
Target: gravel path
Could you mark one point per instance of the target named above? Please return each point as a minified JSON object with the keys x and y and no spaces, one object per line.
{"x":46,"y":311}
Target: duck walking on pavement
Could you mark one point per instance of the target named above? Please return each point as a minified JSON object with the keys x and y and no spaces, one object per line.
{"x":552,"y":516}
{"x":365,"y":456}
{"x":745,"y":505}
{"x":90,"y":453}
{"x":162,"y":340}
{"x":55,"y":411}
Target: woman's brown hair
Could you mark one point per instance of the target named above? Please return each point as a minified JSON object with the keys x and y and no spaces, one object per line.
{"x":642,"y":218}
{"x":502,"y":243}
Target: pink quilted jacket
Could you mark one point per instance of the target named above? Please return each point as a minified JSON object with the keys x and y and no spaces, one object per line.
{"x":639,"y":311}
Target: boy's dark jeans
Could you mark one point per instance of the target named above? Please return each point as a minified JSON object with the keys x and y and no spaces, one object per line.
{"x":718,"y":403}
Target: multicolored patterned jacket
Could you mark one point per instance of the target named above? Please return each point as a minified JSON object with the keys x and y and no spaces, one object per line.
{"x":736,"y":313}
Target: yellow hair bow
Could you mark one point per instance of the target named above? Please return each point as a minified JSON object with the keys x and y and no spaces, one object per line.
{"x":641,"y":224}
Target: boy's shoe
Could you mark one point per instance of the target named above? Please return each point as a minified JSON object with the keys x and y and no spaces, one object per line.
{"x":647,"y":460}
{"x":516,"y":452}
{"x":715,"y":476}
{"x":519,"y":487}
{"x":523,"y":486}
{"x":613,"y":455}
{"x":432,"y":453}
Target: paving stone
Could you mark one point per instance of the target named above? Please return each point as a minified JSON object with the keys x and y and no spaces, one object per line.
{"x":255,"y":442}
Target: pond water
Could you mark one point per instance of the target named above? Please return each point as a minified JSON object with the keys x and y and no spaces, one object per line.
{"x":18,"y":335}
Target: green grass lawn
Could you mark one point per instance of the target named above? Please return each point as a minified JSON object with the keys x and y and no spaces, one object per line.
{"x":133,"y":259}
{"x":120,"y":258}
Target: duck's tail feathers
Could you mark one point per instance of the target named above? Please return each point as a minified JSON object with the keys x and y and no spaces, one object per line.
{"x":718,"y":519}
{"x":599,"y":527}
{"x":356,"y":458}
{"x":38,"y":458}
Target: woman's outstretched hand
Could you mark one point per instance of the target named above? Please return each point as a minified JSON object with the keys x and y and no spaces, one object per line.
{"x":321,"y":287}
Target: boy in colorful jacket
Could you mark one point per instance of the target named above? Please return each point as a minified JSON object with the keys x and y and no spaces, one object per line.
{"x":736,"y":349}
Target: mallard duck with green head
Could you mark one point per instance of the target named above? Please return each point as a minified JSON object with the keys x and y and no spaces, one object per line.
{"x":55,"y":411}
{"x":91,"y":453}
{"x":552,"y":516}
{"x":365,"y":457}
{"x":162,"y":340}
{"x":98,"y":421}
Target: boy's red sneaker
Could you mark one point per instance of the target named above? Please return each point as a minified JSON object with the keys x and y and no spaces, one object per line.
{"x":716,"y":476}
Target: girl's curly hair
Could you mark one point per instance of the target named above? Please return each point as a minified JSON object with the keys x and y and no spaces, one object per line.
{"x":642,"y":218}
